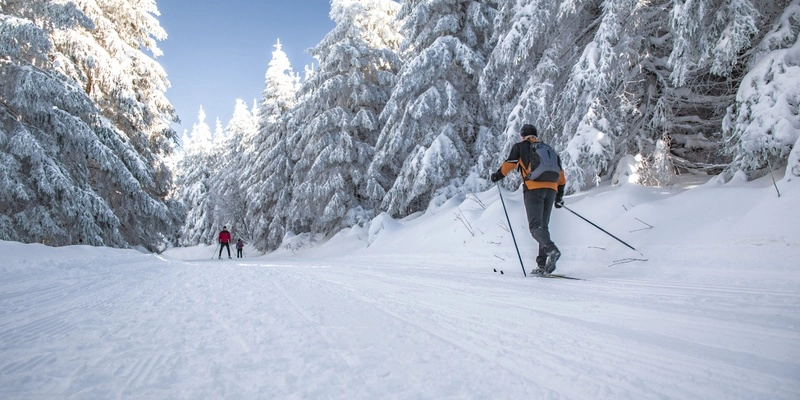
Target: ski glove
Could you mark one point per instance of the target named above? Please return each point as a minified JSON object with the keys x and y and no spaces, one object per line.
{"x":496,"y":176}
{"x":560,"y":197}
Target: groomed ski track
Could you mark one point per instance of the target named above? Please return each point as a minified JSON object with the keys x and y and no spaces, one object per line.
{"x":396,"y":328}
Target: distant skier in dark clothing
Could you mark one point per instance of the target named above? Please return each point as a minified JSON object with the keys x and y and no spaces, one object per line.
{"x":224,"y":241}
{"x":239,"y":248}
{"x":544,"y":182}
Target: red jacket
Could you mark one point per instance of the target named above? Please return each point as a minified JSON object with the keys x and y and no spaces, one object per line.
{"x":224,"y":236}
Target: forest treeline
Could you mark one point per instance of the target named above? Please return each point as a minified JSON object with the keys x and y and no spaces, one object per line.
{"x":412,"y":103}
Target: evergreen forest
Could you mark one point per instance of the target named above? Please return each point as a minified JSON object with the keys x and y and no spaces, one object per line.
{"x":412,"y":103}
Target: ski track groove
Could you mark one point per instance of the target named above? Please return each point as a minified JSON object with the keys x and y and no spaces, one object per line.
{"x":140,"y":371}
{"x":717,"y":288}
{"x":455,"y":338}
{"x":477,"y":338}
{"x":29,"y":364}
{"x":647,"y":343}
{"x":76,"y":307}
{"x":36,"y":299}
{"x":314,"y":322}
{"x":36,"y":314}
{"x":51,"y":325}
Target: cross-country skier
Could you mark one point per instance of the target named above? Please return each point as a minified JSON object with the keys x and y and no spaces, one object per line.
{"x":224,"y":241}
{"x":544,"y":182}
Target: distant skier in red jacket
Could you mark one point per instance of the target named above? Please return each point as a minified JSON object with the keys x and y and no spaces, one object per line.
{"x":224,"y":241}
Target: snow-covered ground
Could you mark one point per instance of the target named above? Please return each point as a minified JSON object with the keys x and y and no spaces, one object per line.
{"x":412,"y":309}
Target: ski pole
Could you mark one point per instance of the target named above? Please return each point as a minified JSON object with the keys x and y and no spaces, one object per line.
{"x":511,"y":230}
{"x":604,"y":231}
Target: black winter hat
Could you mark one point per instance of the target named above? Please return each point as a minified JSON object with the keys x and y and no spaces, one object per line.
{"x":528,"y":130}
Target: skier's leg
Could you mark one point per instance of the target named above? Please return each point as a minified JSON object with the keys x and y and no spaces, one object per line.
{"x":538,"y":206}
{"x":552,"y":252}
{"x":534,"y":202}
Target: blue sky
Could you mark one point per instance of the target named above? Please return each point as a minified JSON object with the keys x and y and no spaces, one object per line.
{"x":218,"y":51}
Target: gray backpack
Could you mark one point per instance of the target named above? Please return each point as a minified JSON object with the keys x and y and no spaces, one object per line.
{"x":548,"y":168}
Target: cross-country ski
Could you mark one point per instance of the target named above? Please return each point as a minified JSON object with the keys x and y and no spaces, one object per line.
{"x":535,"y":275}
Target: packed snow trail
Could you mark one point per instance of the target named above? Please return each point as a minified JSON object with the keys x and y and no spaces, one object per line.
{"x":114,"y":324}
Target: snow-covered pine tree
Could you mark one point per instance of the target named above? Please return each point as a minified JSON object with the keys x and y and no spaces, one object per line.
{"x":433,"y":120}
{"x":130,"y":88}
{"x":266,"y":168}
{"x":613,"y":78}
{"x":701,"y":82}
{"x":195,"y":172}
{"x":85,"y":124}
{"x":576,"y":63}
{"x":230,"y":203}
{"x":218,"y":138}
{"x":535,"y":43}
{"x":272,"y":196}
{"x":524,"y":50}
{"x":340,"y":117}
{"x":712,"y":41}
{"x":762,"y":126}
{"x":592,"y":110}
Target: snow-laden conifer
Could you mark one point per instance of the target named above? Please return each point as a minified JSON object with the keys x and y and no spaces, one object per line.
{"x":590,"y":111}
{"x":711,"y":42}
{"x":230,"y":202}
{"x":433,"y":120}
{"x":195,"y":171}
{"x":85,"y":124}
{"x":533,"y":45}
{"x":338,"y":120}
{"x":604,"y":80}
{"x":266,"y":170}
{"x":762,"y":126}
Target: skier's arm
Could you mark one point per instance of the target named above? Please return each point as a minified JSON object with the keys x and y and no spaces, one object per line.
{"x":562,"y":181}
{"x":509,"y":164}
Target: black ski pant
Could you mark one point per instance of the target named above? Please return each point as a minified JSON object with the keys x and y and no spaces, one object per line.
{"x":238,"y":253}
{"x":225,"y":245}
{"x":538,"y":206}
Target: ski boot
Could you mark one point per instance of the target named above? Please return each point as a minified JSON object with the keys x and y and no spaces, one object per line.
{"x":552,"y":256}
